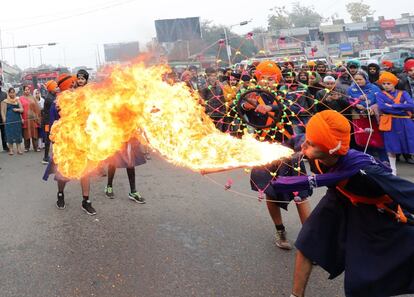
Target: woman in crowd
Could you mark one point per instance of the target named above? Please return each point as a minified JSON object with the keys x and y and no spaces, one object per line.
{"x":314,"y":83}
{"x":11,"y":113}
{"x":396,"y":123}
{"x":31,"y":119}
{"x":303,"y":78}
{"x":41,"y":102}
{"x":362,"y":95}
{"x":373,"y":72}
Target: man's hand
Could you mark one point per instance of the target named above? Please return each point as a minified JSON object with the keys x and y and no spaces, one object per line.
{"x":360,"y":107}
{"x":248,"y":106}
{"x":263,"y":109}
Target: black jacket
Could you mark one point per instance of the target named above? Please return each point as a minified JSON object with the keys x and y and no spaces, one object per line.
{"x":214,"y":99}
{"x":50,"y":98}
{"x":404,"y":84}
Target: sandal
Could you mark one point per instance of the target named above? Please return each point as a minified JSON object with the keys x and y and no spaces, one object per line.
{"x":20,"y":153}
{"x":11,"y":153}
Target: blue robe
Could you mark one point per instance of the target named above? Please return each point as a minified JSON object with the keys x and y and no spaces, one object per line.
{"x":400,"y":139}
{"x":261,"y":177}
{"x":375,"y":251}
{"x":51,"y":167}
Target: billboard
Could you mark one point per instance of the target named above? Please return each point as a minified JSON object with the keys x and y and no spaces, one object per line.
{"x":346,"y":48}
{"x":172,"y":30}
{"x":387,"y":24}
{"x":121,"y":52}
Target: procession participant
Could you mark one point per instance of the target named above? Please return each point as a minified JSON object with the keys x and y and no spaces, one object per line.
{"x":396,"y":119}
{"x":362,"y":225}
{"x":128,"y":157}
{"x":52,"y":90}
{"x":67,"y":82}
{"x":406,"y":83}
{"x":267,"y":74}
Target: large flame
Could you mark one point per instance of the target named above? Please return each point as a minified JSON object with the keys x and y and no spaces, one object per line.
{"x":97,"y":119}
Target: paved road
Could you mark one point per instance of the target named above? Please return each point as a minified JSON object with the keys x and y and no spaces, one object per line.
{"x":192,"y":238}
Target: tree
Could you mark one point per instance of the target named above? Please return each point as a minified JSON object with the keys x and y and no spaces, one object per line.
{"x":299,"y":16}
{"x":212,"y":33}
{"x":358,"y":10}
{"x":304,"y":16}
{"x":280,"y":19}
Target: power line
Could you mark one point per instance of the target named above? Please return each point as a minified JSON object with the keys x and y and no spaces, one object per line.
{"x":71,"y":16}
{"x":62,"y":12}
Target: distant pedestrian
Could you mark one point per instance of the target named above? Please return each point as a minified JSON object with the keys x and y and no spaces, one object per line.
{"x":11,"y":113}
{"x":3,"y":96}
{"x":31,"y":119}
{"x":41,"y":102}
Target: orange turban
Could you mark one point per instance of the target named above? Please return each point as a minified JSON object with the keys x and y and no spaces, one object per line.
{"x":51,"y":85}
{"x":388,"y":77}
{"x":388,"y":64}
{"x":268,"y":68}
{"x":65,"y":81}
{"x":330,"y":131}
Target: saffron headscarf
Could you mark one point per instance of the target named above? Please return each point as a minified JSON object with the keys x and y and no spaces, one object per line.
{"x":268,"y":68}
{"x":388,"y":77}
{"x":66,"y":81}
{"x":330,"y":131}
{"x":51,"y":85}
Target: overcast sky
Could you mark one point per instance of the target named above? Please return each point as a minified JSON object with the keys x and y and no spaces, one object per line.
{"x":80,"y":27}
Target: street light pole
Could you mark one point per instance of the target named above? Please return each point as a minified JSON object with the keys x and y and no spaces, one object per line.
{"x":228,"y":47}
{"x":1,"y":45}
{"x":40,"y":53}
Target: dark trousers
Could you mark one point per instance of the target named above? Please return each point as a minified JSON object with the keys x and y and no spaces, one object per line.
{"x":3,"y":135}
{"x":47,"y":145}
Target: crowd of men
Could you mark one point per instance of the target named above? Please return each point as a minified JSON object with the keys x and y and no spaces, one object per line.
{"x":313,"y":86}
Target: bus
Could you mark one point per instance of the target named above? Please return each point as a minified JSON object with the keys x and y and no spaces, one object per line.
{"x":35,"y":78}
